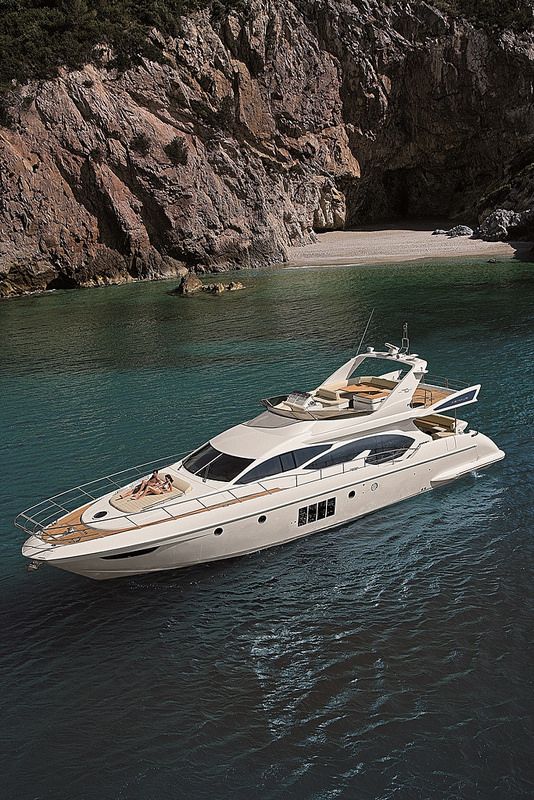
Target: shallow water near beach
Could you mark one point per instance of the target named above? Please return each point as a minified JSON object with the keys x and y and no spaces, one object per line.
{"x":389,"y":658}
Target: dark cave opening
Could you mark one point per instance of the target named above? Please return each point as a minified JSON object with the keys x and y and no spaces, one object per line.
{"x":62,"y":281}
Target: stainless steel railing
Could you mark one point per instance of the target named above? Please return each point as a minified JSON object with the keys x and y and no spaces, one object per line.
{"x":47,"y":512}
{"x":442,"y":382}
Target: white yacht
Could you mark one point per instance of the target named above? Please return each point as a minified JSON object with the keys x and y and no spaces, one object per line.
{"x":376,"y":431}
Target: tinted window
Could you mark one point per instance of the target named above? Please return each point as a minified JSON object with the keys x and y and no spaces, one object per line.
{"x":288,"y":461}
{"x":225,"y":467}
{"x":382,"y":448}
{"x":387,"y":447}
{"x":317,"y":511}
{"x":301,"y":456}
{"x":196,"y":461}
{"x":209,"y":463}
{"x":282,"y":463}
{"x":270,"y":467}
{"x":345,"y":453}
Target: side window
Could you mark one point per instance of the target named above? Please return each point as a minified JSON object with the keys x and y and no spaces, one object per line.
{"x":288,"y":461}
{"x":386,"y":448}
{"x":270,"y":467}
{"x":316,"y":511}
{"x":383,"y":448}
{"x":282,"y":463}
{"x":301,"y":456}
{"x":344,"y":453}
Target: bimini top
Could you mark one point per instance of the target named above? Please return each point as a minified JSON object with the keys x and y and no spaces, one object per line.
{"x":383,"y":384}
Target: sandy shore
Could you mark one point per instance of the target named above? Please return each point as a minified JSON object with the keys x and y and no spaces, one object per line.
{"x":390,"y":243}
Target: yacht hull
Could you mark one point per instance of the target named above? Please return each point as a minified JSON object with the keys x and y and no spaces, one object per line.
{"x":280,"y":517}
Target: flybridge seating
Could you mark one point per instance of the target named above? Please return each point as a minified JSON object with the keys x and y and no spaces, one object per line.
{"x":357,"y":396}
{"x":361,"y":394}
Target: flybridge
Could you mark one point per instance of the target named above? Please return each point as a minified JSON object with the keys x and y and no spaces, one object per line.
{"x":392,"y":383}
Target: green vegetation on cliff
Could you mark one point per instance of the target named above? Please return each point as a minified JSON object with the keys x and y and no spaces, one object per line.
{"x":38,"y":36}
{"x":515,"y":14}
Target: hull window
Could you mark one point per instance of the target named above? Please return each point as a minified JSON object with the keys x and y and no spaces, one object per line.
{"x":131,"y":554}
{"x":317,"y":511}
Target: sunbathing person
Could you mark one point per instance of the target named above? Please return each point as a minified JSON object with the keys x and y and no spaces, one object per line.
{"x":160,"y":488}
{"x":136,"y":491}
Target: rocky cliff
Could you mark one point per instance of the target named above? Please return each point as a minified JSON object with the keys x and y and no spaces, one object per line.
{"x":258,"y":130}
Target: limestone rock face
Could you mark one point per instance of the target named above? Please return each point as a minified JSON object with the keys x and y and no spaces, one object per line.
{"x":259,"y":130}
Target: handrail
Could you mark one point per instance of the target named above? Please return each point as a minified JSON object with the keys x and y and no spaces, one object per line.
{"x":444,"y":382}
{"x":45,"y":512}
{"x":36,"y":522}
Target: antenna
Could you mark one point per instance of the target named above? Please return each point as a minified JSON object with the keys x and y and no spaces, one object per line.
{"x":365,"y":331}
{"x":405,"y":344}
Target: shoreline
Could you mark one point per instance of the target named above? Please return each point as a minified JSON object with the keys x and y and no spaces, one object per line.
{"x":365,"y":246}
{"x":390,"y":244}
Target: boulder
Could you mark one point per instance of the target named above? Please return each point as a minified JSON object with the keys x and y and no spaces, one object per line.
{"x":503,"y":223}
{"x":215,"y":288}
{"x":234,"y":286}
{"x":439,"y":232}
{"x":189,"y":285}
{"x":460,"y":230}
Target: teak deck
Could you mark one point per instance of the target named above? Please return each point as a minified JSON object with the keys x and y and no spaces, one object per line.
{"x":429,"y":396}
{"x":70,"y":529}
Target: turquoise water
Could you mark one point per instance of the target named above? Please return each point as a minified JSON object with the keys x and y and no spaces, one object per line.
{"x":390,"y":658}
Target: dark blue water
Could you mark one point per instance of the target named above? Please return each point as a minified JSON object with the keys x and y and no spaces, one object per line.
{"x":390,"y":658}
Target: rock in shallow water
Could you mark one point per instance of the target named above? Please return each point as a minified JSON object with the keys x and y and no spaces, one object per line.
{"x":189,"y":284}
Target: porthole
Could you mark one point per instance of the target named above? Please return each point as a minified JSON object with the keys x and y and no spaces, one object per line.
{"x":262,"y":519}
{"x":99,"y":514}
{"x":374,"y":487}
{"x":352,"y":494}
{"x":218,"y":531}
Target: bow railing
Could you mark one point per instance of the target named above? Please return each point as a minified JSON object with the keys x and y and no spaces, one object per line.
{"x":47,"y":512}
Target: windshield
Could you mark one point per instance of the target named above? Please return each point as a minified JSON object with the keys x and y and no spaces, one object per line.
{"x":209,"y":463}
{"x":379,"y":368}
